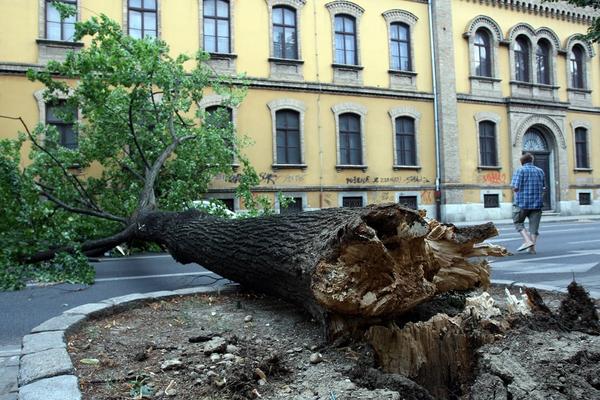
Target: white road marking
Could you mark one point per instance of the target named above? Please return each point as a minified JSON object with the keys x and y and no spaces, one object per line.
{"x":134,"y":257}
{"x":521,"y":269}
{"x":585,"y":241}
{"x":128,"y":278}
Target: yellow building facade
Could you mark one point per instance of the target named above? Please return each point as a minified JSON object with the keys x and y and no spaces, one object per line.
{"x":357,"y":102}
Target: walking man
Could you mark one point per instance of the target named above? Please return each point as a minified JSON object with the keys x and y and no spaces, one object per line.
{"x":528,"y":185}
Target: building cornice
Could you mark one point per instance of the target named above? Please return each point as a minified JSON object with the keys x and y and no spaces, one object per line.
{"x":557,"y":10}
{"x":270,"y":84}
{"x":515,"y":101}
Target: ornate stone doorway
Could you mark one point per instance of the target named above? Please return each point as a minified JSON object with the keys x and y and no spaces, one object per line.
{"x":534,"y":142}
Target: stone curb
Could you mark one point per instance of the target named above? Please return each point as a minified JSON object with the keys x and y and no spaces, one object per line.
{"x":45,"y":369}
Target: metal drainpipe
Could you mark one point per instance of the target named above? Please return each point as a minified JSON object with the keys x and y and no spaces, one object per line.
{"x":436,"y":122}
{"x":318,"y":107}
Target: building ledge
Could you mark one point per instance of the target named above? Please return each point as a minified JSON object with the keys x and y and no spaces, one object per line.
{"x":405,"y":167}
{"x":289,"y":166}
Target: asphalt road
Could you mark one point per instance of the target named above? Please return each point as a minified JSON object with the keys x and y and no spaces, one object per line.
{"x":565,"y":250}
{"x":23,"y":310}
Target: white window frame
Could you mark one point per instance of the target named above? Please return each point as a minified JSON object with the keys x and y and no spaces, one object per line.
{"x":158,"y":17}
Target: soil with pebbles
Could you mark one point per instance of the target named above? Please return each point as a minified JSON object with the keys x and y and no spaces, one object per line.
{"x":240,"y":346}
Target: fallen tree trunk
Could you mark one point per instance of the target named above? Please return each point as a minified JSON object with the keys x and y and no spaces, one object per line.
{"x":342,"y":264}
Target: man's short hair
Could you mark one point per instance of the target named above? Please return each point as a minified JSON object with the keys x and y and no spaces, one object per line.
{"x":526,"y":158}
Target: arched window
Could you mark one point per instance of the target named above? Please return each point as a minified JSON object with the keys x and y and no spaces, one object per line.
{"x":142,"y":18}
{"x":542,"y":61}
{"x":345,"y":40}
{"x":581,"y":148}
{"x":221,"y":117}
{"x":577,"y":67}
{"x":400,"y":46}
{"x":483,"y":53}
{"x":285,"y":41}
{"x":56,"y":27}
{"x":350,"y":139}
{"x":288,"y":137}
{"x":406,"y":149}
{"x":522,"y":59}
{"x":488,"y":153}
{"x":216,"y":26}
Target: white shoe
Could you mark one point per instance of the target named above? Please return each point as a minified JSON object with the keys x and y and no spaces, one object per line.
{"x":525,"y":246}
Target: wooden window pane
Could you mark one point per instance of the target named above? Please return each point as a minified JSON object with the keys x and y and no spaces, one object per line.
{"x":352,"y":201}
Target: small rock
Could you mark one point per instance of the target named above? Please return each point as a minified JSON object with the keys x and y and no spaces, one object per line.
{"x":248,"y":318}
{"x":239,"y":360}
{"x":210,"y":374}
{"x":215,"y":345}
{"x":262,"y":382}
{"x":214,"y":357}
{"x":200,"y":367}
{"x":228,"y":356}
{"x":171,"y":364}
{"x":314,"y":347}
{"x":297,"y":349}
{"x":171,"y":392}
{"x":232,"y":349}
{"x":316,"y":358}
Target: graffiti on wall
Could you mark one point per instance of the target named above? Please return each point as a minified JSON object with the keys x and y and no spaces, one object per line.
{"x":267,"y":178}
{"x":494,"y":177}
{"x":375,"y":180}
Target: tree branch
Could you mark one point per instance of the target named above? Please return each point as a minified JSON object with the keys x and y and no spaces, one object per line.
{"x":90,"y":246}
{"x":77,"y":185}
{"x":132,"y":128}
{"x":92,"y":213}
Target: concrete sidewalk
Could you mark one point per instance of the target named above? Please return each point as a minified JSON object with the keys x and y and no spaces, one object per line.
{"x":9,"y":368}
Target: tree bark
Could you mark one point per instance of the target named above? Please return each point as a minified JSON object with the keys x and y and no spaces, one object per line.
{"x":340,"y":264}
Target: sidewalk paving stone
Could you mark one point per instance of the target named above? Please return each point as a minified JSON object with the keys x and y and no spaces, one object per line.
{"x":44,"y":364}
{"x":87,"y":309}
{"x":57,"y":388}
{"x":43,"y":341}
{"x":60,"y":323}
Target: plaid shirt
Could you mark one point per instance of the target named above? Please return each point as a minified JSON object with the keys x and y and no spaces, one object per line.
{"x":529,"y":182}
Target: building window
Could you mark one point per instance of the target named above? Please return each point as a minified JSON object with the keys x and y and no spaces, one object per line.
{"x":56,"y":27}
{"x":229,"y":203}
{"x":345,"y":40}
{"x":406,"y":149}
{"x":585,"y":199}
{"x":350,"y":139}
{"x":581,"y":148}
{"x":542,"y":60}
{"x":352,"y":201}
{"x":483,"y":53}
{"x":216,"y":26}
{"x":285,"y":37}
{"x":288,"y":136}
{"x":63,"y":118}
{"x":294,"y":207}
{"x":142,"y":18}
{"x":491,"y":201}
{"x":400,"y":46}
{"x":522,"y":59}
{"x":408,"y":201}
{"x":220,"y":117}
{"x":487,"y":144}
{"x":577,"y":68}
